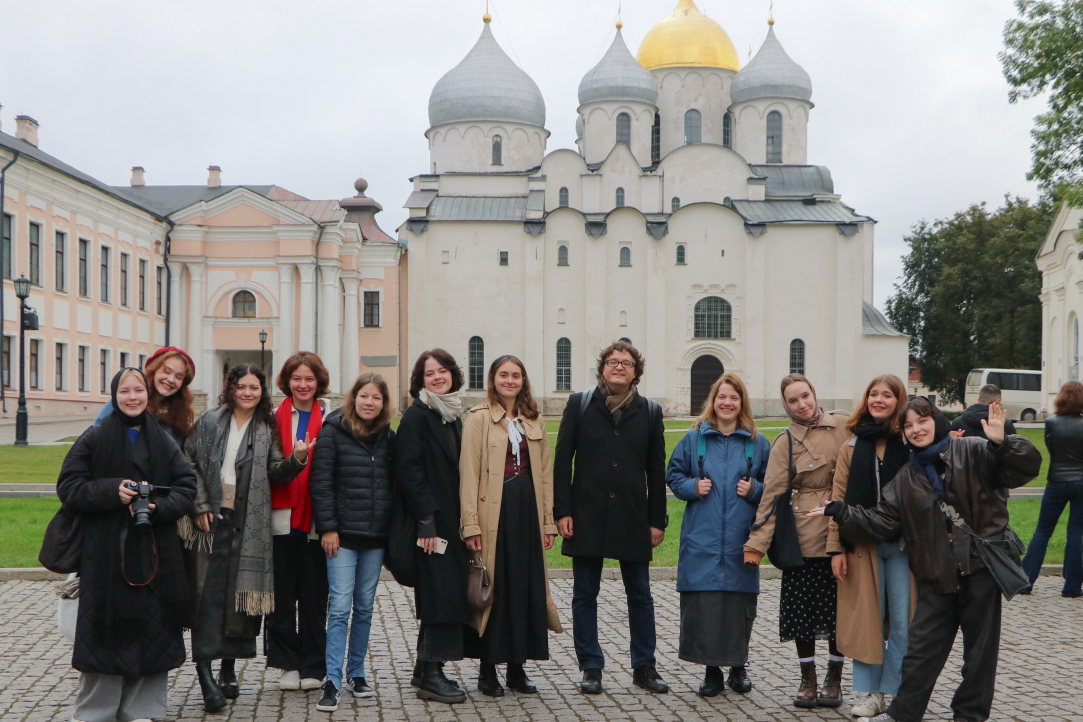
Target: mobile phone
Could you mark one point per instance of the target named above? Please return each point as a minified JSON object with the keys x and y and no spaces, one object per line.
{"x":441,"y":545}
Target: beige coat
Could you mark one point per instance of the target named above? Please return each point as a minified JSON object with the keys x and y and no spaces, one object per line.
{"x":481,"y":477}
{"x":859,"y":632}
{"x":814,"y":454}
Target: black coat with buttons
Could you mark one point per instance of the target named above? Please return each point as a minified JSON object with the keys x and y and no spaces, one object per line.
{"x":617,"y":490}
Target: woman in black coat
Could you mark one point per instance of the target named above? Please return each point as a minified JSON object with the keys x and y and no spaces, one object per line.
{"x":427,"y":468}
{"x":133,"y":594}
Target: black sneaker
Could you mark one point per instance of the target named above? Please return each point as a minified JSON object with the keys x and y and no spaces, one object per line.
{"x":329,"y":701}
{"x":359,"y":687}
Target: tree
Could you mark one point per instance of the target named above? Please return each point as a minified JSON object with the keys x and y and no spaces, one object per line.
{"x":969,"y":293}
{"x":1044,"y":52}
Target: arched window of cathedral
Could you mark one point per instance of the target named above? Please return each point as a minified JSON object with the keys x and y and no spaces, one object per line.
{"x":656,"y":139}
{"x":620,"y":198}
{"x":560,"y":315}
{"x":797,"y":356}
{"x":625,"y":256}
{"x":564,"y":365}
{"x":562,"y":256}
{"x":476,"y":367}
{"x":693,"y":127}
{"x":713,"y":318}
{"x":244,"y":305}
{"x":624,"y":128}
{"x":727,"y":130}
{"x":680,"y":254}
{"x":774,"y":137}
{"x":674,"y":204}
{"x":563,"y":196}
{"x":624,"y":320}
{"x":498,"y":150}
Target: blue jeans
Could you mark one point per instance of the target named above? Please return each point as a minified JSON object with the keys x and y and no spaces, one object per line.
{"x":352,"y":577}
{"x":1057,"y":495}
{"x":895,"y":602}
{"x":587,"y":572}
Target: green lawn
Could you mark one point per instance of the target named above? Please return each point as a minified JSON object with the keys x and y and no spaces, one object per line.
{"x":31,"y":464}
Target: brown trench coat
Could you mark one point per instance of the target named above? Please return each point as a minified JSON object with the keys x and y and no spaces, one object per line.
{"x":481,"y":485}
{"x":814,"y":454}
{"x":859,"y":632}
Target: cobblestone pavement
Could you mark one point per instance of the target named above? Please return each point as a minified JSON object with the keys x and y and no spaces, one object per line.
{"x":1040,"y":669}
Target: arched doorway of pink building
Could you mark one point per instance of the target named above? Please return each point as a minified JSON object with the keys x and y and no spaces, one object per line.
{"x":705,"y":371}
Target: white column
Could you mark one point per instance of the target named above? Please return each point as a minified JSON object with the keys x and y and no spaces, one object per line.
{"x":283,"y":346}
{"x":351,"y":349}
{"x":176,"y":304}
{"x":330,"y":318}
{"x":194,"y":342}
{"x":307,"y":308}
{"x":752,"y":349}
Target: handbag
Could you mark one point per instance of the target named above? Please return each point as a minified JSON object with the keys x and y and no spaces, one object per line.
{"x":1001,"y":554}
{"x":67,"y":606}
{"x":401,"y":558}
{"x":479,"y":585}
{"x":785,"y":550}
{"x":62,"y":546}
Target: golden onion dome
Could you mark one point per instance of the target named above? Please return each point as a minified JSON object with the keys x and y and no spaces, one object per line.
{"x":685,"y":38}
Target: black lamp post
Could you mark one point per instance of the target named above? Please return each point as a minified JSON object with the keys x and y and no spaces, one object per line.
{"x":22,"y":291}
{"x":262,"y":345}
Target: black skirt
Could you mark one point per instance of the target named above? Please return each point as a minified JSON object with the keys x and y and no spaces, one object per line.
{"x":716,"y":627}
{"x":809,"y":602}
{"x":209,"y":640}
{"x":517,"y":629}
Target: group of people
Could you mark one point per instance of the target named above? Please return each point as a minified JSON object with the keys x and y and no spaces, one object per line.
{"x":286,"y":516}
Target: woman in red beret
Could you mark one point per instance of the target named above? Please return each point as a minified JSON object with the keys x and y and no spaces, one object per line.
{"x":170,"y":371}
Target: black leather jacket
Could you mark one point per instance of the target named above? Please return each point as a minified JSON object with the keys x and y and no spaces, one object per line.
{"x":1064,"y":439}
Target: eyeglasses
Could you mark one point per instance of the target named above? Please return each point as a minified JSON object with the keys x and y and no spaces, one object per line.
{"x":614,"y":363}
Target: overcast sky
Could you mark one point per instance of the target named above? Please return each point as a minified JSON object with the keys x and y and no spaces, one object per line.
{"x":911,"y":113}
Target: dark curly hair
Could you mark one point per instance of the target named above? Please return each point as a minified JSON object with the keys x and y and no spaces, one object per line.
{"x":626,"y":348}
{"x":264,"y":410}
{"x":296,"y":361}
{"x":417,"y":376}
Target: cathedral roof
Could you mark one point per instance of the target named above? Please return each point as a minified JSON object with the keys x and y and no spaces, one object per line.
{"x":771,"y":74}
{"x":486,"y":86}
{"x":618,"y":76}
{"x":687,"y":37}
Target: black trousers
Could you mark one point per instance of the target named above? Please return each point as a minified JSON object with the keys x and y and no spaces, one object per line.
{"x":296,"y":632}
{"x":975,"y":609}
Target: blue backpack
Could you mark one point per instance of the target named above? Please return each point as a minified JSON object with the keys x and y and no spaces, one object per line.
{"x":701,"y":452}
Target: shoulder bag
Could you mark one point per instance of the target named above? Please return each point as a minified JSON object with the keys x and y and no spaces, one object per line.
{"x":479,"y":585}
{"x":62,"y":547}
{"x":1000,"y":553}
{"x":785,"y":550}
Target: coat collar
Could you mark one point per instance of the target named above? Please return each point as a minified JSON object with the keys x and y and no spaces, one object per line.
{"x":706,"y":428}
{"x":497,"y":414}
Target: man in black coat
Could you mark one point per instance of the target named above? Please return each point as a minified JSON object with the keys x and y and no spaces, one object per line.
{"x":970,"y":420}
{"x":612,"y":507}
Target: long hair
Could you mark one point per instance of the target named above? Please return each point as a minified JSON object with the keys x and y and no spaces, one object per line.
{"x":264,"y":410}
{"x":296,"y":361}
{"x":1069,"y":400}
{"x":895,"y":385}
{"x":352,"y":420}
{"x":744,"y":417}
{"x":417,"y":376}
{"x":626,"y":348}
{"x":173,"y":412}
{"x":525,"y":405}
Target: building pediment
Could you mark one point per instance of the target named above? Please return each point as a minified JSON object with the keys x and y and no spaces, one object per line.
{"x":239,"y":207}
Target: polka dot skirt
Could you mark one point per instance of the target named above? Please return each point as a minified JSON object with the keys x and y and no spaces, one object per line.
{"x":808,"y":602}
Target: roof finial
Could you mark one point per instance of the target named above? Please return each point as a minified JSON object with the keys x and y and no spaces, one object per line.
{"x":619,"y":23}
{"x":771,"y":12}
{"x":487,"y":18}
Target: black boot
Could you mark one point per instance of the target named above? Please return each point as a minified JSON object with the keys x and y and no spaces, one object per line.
{"x":435,"y":686}
{"x":415,"y":680}
{"x":713,"y":683}
{"x":212,"y":696}
{"x":518,"y":681}
{"x":227,"y":680}
{"x":488,"y":682}
{"x":739,"y":681}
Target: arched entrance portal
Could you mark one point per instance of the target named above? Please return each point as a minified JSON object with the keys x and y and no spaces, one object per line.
{"x":705,"y":371}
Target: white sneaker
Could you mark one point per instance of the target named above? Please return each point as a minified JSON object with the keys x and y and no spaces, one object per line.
{"x":290,"y":679}
{"x":311,"y":683}
{"x":872,"y":706}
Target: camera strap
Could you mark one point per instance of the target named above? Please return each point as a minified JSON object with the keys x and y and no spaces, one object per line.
{"x":124,"y":560}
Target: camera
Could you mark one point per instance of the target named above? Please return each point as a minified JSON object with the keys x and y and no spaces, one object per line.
{"x":141,"y":503}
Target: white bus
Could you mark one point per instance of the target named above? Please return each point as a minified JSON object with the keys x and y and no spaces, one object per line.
{"x":1020,"y":390}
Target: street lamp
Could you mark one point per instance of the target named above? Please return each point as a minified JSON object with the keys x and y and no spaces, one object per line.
{"x":22,"y":291}
{"x":262,"y":345}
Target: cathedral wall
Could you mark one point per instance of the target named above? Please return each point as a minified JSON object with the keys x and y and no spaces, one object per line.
{"x":468,"y":147}
{"x":682,"y":89}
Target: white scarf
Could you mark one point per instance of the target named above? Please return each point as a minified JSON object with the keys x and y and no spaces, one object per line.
{"x":449,"y":406}
{"x":515,"y":436}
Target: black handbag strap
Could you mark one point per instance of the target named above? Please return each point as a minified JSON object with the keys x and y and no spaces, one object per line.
{"x":789,"y":483}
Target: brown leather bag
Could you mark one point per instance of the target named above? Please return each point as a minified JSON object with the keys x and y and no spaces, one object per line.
{"x":479,"y":585}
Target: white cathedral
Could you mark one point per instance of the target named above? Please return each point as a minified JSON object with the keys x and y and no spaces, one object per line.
{"x":687,"y":221}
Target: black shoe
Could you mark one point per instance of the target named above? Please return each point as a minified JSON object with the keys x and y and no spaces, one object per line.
{"x":444,"y":677}
{"x":713,"y":683}
{"x":415,"y":680}
{"x":647,"y":677}
{"x":329,"y":700}
{"x":592,"y":681}
{"x":359,"y":687}
{"x":518,"y":681}
{"x":227,"y":680}
{"x":213,"y":700}
{"x":739,"y":681}
{"x":488,"y":682}
{"x":435,"y":686}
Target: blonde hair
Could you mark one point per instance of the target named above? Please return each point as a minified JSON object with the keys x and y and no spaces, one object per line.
{"x":744,"y":416}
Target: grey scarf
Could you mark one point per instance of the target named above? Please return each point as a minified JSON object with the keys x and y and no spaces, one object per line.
{"x":255,"y":571}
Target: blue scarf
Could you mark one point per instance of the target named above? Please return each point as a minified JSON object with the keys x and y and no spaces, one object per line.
{"x":925,"y":460}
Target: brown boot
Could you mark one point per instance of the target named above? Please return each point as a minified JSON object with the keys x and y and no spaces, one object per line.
{"x":806,"y":695}
{"x":831,"y":692}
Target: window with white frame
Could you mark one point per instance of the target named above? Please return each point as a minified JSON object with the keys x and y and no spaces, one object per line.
{"x":142,"y":284}
{"x":372,"y":309}
{"x":105,"y":251}
{"x":81,"y":370}
{"x":562,"y":255}
{"x":103,"y":370}
{"x":797,"y":356}
{"x":125,"y":269}
{"x":34,"y":256}
{"x":61,"y":359}
{"x":476,"y":363}
{"x":564,"y":364}
{"x":35,"y":364}
{"x":60,"y":267}
{"x":713,"y":318}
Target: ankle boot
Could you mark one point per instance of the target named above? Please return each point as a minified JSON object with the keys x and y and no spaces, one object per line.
{"x":227,"y":679}
{"x":415,"y":680}
{"x":831,"y":692}
{"x":212,"y":696}
{"x":518,"y":681}
{"x":445,"y":678}
{"x":713,"y":682}
{"x":806,"y":695}
{"x":435,"y":686}
{"x":488,"y":683}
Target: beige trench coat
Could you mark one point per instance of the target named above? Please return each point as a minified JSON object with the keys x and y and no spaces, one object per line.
{"x":814,"y":453}
{"x":859,"y":632}
{"x":481,"y":486}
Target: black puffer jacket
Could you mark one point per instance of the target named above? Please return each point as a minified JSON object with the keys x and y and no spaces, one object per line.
{"x":350,"y":481}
